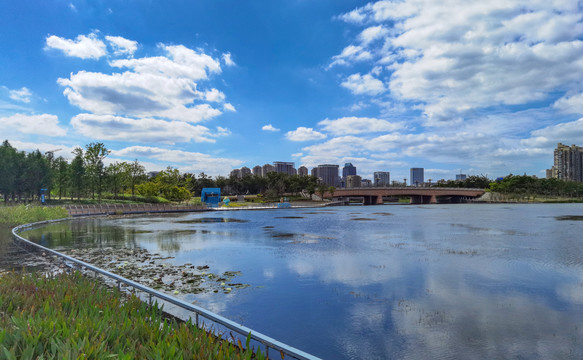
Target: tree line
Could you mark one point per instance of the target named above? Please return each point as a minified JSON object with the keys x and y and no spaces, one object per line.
{"x":85,"y":176}
{"x":520,"y":186}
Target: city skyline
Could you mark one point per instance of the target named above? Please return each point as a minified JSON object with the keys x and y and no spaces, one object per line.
{"x":216,"y":86}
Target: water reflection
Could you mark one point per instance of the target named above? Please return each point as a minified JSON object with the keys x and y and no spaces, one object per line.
{"x":403,"y":282}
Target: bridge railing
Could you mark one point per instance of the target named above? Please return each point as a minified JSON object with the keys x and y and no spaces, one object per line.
{"x":198,"y":312}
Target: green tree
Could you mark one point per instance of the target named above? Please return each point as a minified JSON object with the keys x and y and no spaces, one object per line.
{"x":8,"y":166}
{"x":116,"y":176}
{"x":322,"y":189}
{"x":94,"y":155}
{"x":331,"y":190}
{"x":61,"y":175}
{"x":77,"y":173}
{"x":136,"y":173}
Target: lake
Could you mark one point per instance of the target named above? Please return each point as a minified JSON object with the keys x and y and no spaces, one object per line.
{"x":460,"y":281}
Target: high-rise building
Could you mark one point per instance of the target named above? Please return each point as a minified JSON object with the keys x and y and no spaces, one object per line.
{"x":303,"y":171}
{"x":236,"y":173}
{"x":284,"y":167}
{"x":257,"y":170}
{"x":416,"y":178}
{"x":267,"y":168}
{"x":353,"y":181}
{"x":382,"y":178}
{"x":568,"y":163}
{"x":245,"y":171}
{"x":460,"y":177}
{"x":348,"y":169}
{"x":327,"y":173}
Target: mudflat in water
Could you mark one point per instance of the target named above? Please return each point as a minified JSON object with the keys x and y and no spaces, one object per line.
{"x":399,"y":282}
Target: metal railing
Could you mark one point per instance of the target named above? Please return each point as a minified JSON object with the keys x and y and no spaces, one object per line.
{"x":118,"y":209}
{"x":265,"y":340}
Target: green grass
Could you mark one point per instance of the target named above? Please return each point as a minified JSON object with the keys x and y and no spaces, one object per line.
{"x":72,"y":317}
{"x":24,"y":214}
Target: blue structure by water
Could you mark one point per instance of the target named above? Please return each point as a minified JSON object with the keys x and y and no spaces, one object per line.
{"x":211,"y":196}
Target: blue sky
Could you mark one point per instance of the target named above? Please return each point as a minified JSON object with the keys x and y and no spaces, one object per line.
{"x":211,"y":85}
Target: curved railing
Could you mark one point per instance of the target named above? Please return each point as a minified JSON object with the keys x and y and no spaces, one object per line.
{"x":265,"y":340}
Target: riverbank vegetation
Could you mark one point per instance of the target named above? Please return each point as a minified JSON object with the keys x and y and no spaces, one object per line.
{"x":24,"y":214}
{"x":68,"y":316}
{"x":523,"y":187}
{"x":86,"y":179}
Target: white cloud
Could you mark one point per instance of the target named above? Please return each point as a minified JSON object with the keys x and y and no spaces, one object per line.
{"x":351,"y":54}
{"x":229,"y":107}
{"x":84,"y":47}
{"x":22,"y":95}
{"x":122,"y":46}
{"x":358,"y":125}
{"x":570,"y":104}
{"x":221,"y":131}
{"x":567,"y":132}
{"x":158,"y":87}
{"x":193,"y":161}
{"x":483,"y":54}
{"x":269,"y":127}
{"x":44,"y":124}
{"x":109,"y":127}
{"x":180,"y":62}
{"x":365,"y":84}
{"x":214,"y":95}
{"x":304,"y":134}
{"x":228,"y":60}
{"x":372,"y":33}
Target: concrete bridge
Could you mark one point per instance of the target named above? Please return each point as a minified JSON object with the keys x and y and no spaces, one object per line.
{"x":418,"y":195}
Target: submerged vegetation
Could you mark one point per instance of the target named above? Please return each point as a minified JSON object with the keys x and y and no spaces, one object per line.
{"x":17,"y":215}
{"x":71,"y":317}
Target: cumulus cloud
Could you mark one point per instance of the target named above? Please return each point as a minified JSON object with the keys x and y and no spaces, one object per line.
{"x":483,"y":55}
{"x":122,"y":46}
{"x":269,"y":127}
{"x":364,"y":84}
{"x":194,"y":162}
{"x":214,"y":95}
{"x":358,"y":125}
{"x":44,"y":124}
{"x":84,"y":46}
{"x":22,"y":95}
{"x":153,"y":87}
{"x":304,"y":134}
{"x":110,"y":127}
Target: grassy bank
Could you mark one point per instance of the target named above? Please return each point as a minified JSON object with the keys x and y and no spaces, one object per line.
{"x":72,"y":317}
{"x":24,"y":214}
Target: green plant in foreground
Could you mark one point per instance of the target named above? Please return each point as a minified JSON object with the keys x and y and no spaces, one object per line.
{"x":71,"y":317}
{"x":24,"y":214}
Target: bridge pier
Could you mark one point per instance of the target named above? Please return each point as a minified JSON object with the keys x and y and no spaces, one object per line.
{"x":373,"y":200}
{"x":423,"y":199}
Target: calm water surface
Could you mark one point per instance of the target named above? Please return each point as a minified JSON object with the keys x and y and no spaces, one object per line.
{"x":395,"y":282}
